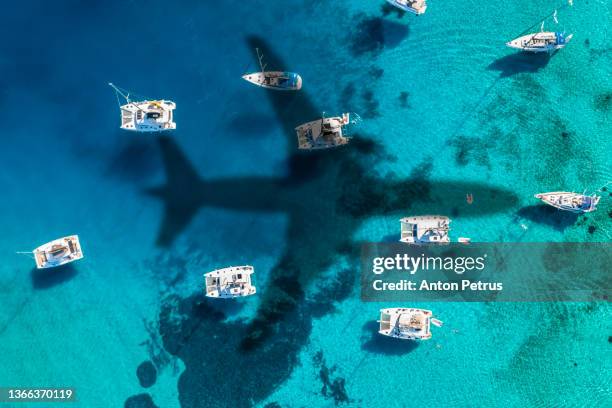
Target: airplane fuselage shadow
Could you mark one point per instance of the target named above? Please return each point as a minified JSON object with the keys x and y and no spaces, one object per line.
{"x":51,"y":277}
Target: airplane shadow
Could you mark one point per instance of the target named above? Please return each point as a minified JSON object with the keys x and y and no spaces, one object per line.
{"x":547,"y":215}
{"x":389,"y":346}
{"x":48,"y":278}
{"x":135,"y":160}
{"x":520,"y":62}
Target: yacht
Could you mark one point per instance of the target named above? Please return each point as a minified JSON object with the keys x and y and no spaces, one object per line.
{"x":567,"y":201}
{"x":231,"y":282}
{"x":413,"y":6}
{"x":425,"y":229}
{"x":544,"y":41}
{"x":58,"y":252}
{"x":324,"y":133}
{"x":146,"y":115}
{"x":277,"y":80}
{"x":407,"y":323}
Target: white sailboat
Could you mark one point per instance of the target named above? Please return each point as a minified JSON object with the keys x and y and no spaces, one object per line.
{"x":425,"y":229}
{"x":146,"y":115}
{"x":57,"y":252}
{"x":324,"y":133}
{"x":231,"y":282}
{"x":412,"y":6}
{"x":544,"y":41}
{"x":568,"y":201}
{"x":276,"y":80}
{"x":407,"y":323}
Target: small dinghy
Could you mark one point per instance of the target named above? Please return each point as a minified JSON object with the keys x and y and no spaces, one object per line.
{"x":231,"y":282}
{"x":277,"y":80}
{"x":146,"y":115}
{"x":573,"y":202}
{"x":407,"y":323}
{"x":324,"y":133}
{"x":57,"y":252}
{"x":412,"y":6}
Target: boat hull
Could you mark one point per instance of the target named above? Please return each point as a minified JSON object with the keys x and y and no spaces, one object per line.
{"x":539,"y":42}
{"x":71,"y":243}
{"x":275,"y":80}
{"x":562,"y":200}
{"x":404,"y":6}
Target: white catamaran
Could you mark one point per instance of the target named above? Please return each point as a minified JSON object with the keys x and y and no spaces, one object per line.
{"x":57,"y":252}
{"x":425,"y":229}
{"x":146,"y":115}
{"x":407,"y":323}
{"x":413,"y":6}
{"x":324,"y":133}
{"x":277,"y":80}
{"x":231,"y":282}
{"x":544,"y":41}
{"x":568,"y":201}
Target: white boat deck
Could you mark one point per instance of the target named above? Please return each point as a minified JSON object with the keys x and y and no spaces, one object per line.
{"x":231,"y":282}
{"x":425,"y":229}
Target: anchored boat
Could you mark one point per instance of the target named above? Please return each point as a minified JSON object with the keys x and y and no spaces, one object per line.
{"x":544,"y":41}
{"x":146,"y":115}
{"x":425,"y":229}
{"x":413,"y":6}
{"x":231,"y":282}
{"x":57,"y":252}
{"x":277,"y":80}
{"x":324,"y":133}
{"x":567,"y":201}
{"x":407,"y":323}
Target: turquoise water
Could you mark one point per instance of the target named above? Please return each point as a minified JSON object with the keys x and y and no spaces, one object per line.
{"x":446,"y":109}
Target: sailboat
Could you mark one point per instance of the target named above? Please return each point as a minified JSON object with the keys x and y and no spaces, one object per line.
{"x":146,"y":115}
{"x":568,"y":201}
{"x":413,"y":6}
{"x":277,"y":80}
{"x":324,"y":133}
{"x":231,"y":282}
{"x":407,"y":323}
{"x":544,"y":41}
{"x":57,"y":252}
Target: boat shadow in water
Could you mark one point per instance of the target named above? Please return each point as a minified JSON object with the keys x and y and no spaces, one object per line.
{"x":520,"y":62}
{"x":550,"y":216}
{"x":379,"y":344}
{"x":51,"y":277}
{"x":373,"y":34}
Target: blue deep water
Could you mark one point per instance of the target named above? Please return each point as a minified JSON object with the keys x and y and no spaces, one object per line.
{"x":447,"y":110}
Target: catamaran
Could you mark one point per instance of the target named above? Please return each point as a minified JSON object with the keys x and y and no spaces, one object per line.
{"x":231,"y":282}
{"x":413,"y":6}
{"x":57,"y":252}
{"x":146,"y":115}
{"x":324,"y":133}
{"x":544,"y":41}
{"x":407,"y":323}
{"x":425,"y":229}
{"x":567,"y":201}
{"x":277,"y":80}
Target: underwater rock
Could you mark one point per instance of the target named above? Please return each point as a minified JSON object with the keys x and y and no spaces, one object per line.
{"x":403,"y":98}
{"x":331,"y":388}
{"x":147,"y":374}
{"x":140,"y":401}
{"x":592,"y":229}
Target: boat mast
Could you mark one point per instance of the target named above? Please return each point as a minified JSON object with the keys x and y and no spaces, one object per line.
{"x":118,"y":91}
{"x":260,"y":58}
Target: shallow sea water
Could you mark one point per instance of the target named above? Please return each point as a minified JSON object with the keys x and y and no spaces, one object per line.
{"x":447,"y":110}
